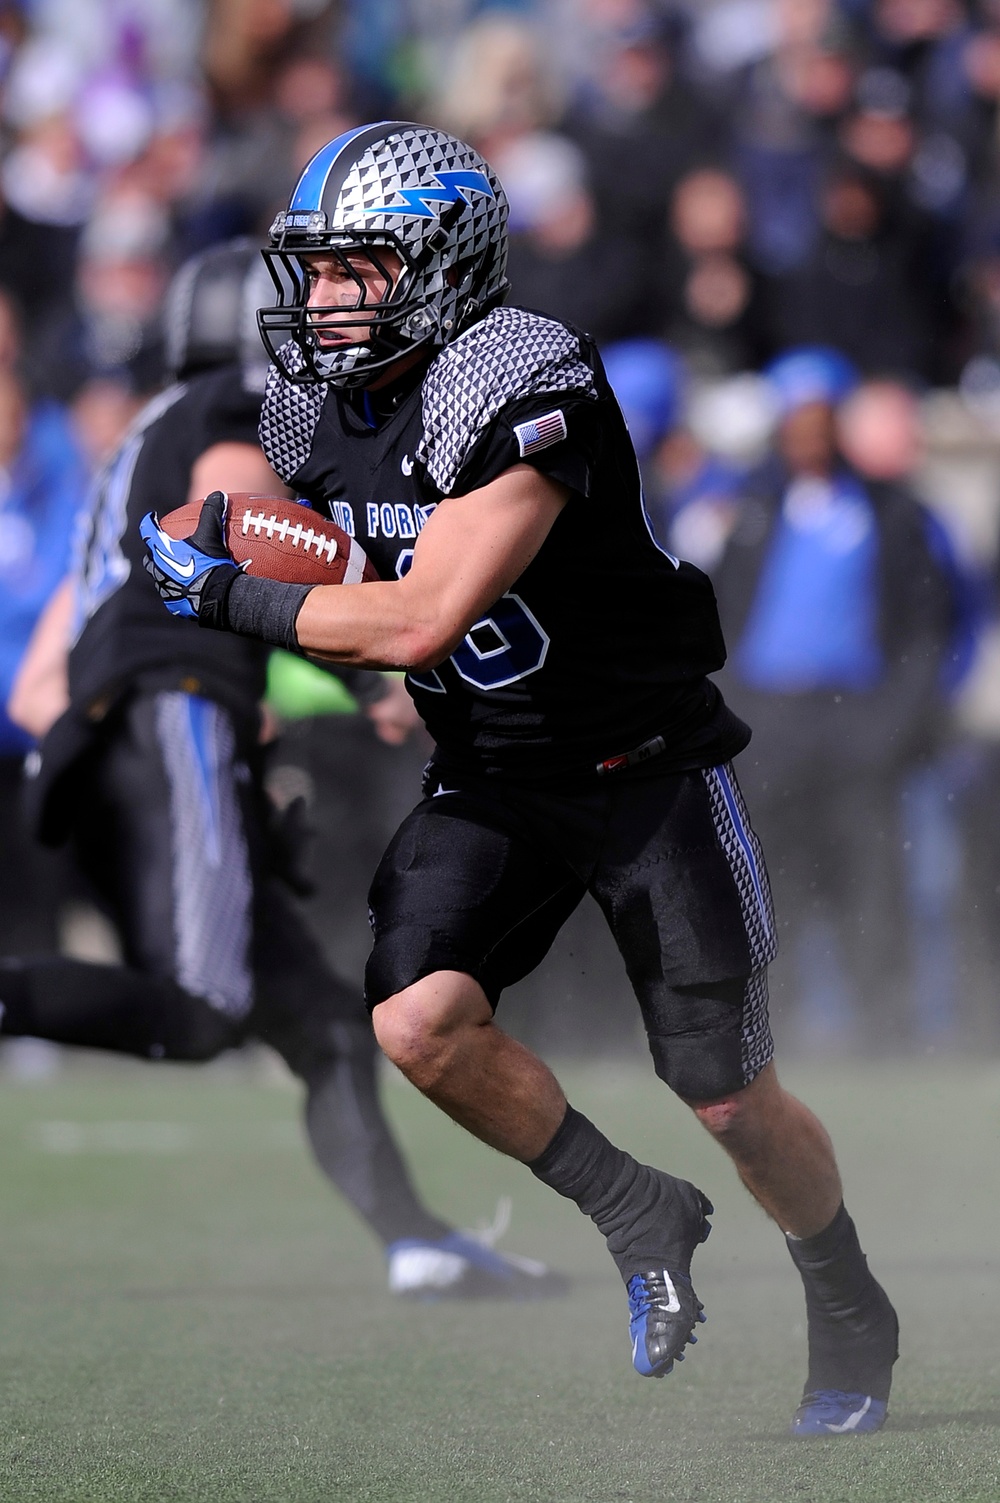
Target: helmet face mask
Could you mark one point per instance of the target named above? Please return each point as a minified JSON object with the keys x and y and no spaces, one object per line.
{"x":379,"y":325}
{"x":417,"y":193}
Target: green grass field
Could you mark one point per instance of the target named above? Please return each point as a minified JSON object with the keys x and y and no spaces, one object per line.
{"x":188,"y":1314}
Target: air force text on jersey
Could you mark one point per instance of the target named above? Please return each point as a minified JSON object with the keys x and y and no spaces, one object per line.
{"x":382,"y":519}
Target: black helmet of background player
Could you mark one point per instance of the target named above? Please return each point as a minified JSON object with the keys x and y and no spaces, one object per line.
{"x":423,"y":194}
{"x":210,"y":312}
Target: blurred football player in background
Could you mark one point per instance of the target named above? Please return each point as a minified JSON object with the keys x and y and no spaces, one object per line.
{"x":560,"y":661}
{"x":151,"y":763}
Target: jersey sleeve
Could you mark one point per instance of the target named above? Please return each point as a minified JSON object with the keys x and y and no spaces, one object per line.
{"x":511,"y":358}
{"x":555,"y":433}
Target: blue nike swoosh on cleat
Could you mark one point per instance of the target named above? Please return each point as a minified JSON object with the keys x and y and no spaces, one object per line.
{"x":832,"y":1412}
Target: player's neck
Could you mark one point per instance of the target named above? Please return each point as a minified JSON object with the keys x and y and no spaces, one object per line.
{"x":379,"y":401}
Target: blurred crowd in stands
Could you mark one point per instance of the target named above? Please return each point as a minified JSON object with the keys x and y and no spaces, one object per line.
{"x":781,"y":220}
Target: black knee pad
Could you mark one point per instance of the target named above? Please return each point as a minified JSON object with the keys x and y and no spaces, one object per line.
{"x":698,"y":1069}
{"x":404,"y":955}
{"x":699,"y":1053}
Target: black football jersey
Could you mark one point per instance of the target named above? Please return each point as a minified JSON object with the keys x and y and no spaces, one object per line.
{"x":604,"y":642}
{"x":122,"y":631}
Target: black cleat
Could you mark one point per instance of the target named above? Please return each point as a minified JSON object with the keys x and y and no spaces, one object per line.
{"x":663,"y":1307}
{"x":663,"y":1312}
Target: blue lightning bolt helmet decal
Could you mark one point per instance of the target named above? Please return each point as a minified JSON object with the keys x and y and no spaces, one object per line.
{"x":453,"y":186}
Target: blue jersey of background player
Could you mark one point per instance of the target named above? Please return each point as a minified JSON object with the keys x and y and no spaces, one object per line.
{"x":560,"y":659}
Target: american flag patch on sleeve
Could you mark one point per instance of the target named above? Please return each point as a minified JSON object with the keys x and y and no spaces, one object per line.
{"x":541,"y":432}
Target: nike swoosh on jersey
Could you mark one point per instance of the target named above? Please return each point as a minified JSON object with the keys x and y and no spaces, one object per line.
{"x":406,"y":465}
{"x":438,"y":791}
{"x":186,"y":571}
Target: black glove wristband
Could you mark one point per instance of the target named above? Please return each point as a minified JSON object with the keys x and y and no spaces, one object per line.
{"x":262,"y":608}
{"x":213,"y":596}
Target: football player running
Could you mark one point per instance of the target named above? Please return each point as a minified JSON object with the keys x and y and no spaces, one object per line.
{"x":560,"y":661}
{"x":152,"y":766}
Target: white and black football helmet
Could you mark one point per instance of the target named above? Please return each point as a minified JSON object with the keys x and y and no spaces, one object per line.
{"x":418,"y":191}
{"x":210,"y":310}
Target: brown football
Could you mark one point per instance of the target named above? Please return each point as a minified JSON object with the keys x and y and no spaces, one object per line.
{"x":280,"y":539}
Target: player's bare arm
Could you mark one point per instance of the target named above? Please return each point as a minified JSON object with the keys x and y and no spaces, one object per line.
{"x":472,"y":549}
{"x":40,"y":692}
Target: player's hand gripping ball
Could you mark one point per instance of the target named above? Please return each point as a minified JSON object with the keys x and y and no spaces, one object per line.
{"x":194,"y":550}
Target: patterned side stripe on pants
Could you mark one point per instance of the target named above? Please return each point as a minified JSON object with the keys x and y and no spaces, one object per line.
{"x":212,"y":889}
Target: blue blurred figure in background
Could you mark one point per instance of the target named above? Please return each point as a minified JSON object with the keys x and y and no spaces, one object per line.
{"x":840,"y":619}
{"x":42,"y":484}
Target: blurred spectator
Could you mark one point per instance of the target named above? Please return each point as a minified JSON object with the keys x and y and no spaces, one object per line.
{"x":497,"y":86}
{"x":784,"y":112}
{"x":112,"y":329}
{"x":244,"y":39}
{"x":641,"y":125}
{"x":881,"y":435}
{"x":257,"y":152}
{"x":704,"y":465}
{"x":42,"y":485}
{"x":560,"y":261}
{"x":863,"y":288}
{"x":715,"y":308}
{"x":648,"y":380}
{"x":839,"y":618}
{"x":101,"y":411}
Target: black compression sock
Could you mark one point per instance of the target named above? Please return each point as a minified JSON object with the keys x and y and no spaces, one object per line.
{"x":350,"y":1137}
{"x":852,"y":1326}
{"x":650,"y":1219}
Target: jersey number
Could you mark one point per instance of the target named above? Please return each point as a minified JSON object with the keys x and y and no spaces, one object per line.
{"x":497,"y":651}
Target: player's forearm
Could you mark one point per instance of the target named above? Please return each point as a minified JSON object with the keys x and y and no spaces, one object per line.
{"x":378,"y":625}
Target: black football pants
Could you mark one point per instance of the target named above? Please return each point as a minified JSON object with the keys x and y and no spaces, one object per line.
{"x":173,"y":834}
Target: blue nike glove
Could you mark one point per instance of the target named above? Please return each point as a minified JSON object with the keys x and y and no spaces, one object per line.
{"x":193,"y":575}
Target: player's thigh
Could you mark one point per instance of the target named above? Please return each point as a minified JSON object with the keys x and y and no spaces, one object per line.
{"x":464,"y":888}
{"x":174,"y":857}
{"x":684,"y":888}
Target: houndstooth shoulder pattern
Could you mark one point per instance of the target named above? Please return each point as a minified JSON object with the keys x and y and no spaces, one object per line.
{"x":289,"y":417}
{"x":746,"y":861}
{"x":510,"y":354}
